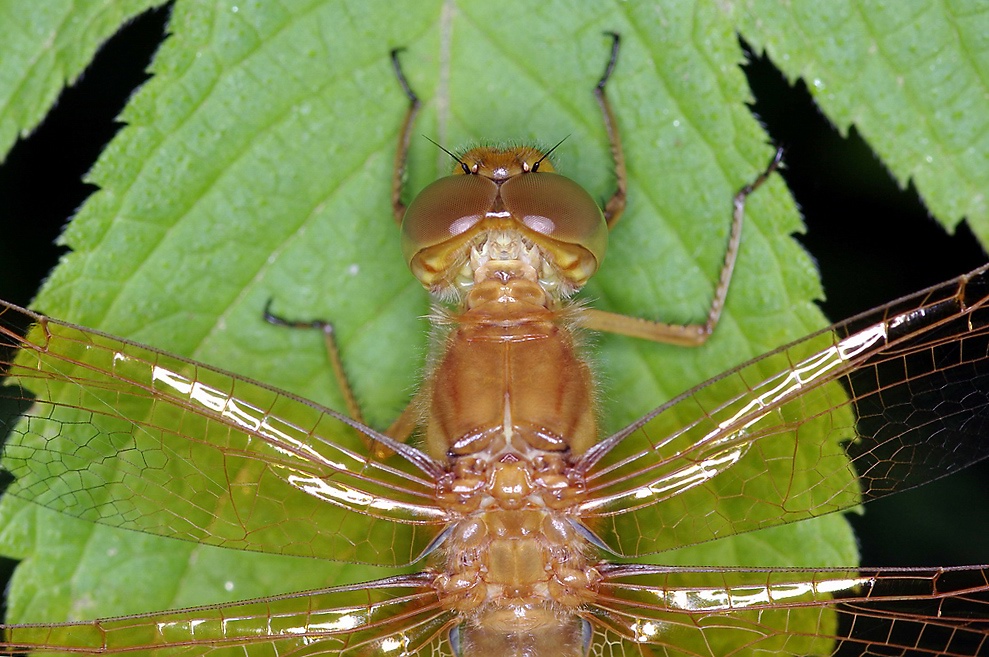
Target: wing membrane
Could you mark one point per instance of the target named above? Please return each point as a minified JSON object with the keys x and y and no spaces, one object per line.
{"x":881,"y":403}
{"x":378,"y":618}
{"x":707,"y":612}
{"x":125,"y":435}
{"x":700,"y":612}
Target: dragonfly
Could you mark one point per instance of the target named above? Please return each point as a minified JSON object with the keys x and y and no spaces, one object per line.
{"x":532,"y":529}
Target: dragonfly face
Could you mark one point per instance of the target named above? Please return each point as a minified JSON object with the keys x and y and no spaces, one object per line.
{"x":901,"y":386}
{"x":498,"y":192}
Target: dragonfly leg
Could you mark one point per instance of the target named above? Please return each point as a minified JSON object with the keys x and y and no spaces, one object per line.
{"x":404,"y":137}
{"x":332,"y":350}
{"x":688,"y":335}
{"x":616,"y":204}
{"x":400,"y":429}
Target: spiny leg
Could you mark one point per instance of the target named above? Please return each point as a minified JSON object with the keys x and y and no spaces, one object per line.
{"x":400,"y":429}
{"x":405,"y":424}
{"x":616,"y":204}
{"x":404,"y":137}
{"x":332,"y":350}
{"x":688,"y":335}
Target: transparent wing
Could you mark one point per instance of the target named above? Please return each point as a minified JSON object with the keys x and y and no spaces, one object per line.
{"x":707,"y":612}
{"x":881,"y":403}
{"x":400,"y":615}
{"x":125,"y":435}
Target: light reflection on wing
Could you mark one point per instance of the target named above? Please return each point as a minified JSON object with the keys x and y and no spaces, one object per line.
{"x":180,"y":449}
{"x":770,"y":439}
{"x":171,"y":447}
{"x":382,"y":618}
{"x":640,"y":610}
{"x":896,"y":611}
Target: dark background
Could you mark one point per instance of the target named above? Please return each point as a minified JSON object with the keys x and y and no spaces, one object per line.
{"x":873,"y":241}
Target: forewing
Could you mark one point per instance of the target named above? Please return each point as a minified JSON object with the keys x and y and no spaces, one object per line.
{"x":706,"y":612}
{"x":378,"y":618}
{"x":881,"y":403}
{"x":126,"y":435}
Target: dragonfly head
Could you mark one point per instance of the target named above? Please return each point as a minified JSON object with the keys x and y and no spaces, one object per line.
{"x":503,"y":205}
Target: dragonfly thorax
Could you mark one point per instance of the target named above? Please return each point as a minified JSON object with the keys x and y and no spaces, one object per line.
{"x":517,"y":578}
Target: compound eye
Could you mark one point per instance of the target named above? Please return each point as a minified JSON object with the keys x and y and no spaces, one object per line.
{"x":557,"y":207}
{"x":444,"y":209}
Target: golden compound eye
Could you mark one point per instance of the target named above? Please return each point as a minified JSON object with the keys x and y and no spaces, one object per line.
{"x":557,"y":207}
{"x":444,"y":209}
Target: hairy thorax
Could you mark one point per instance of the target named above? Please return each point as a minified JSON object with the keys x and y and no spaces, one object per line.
{"x":509,"y":424}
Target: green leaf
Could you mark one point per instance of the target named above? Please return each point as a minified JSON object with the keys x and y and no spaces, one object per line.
{"x":912,"y":77}
{"x":256,"y":164}
{"x":46,"y":46}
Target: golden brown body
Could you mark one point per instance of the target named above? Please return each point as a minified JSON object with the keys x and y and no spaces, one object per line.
{"x":510,"y":404}
{"x":508,"y":357}
{"x":508,"y":395}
